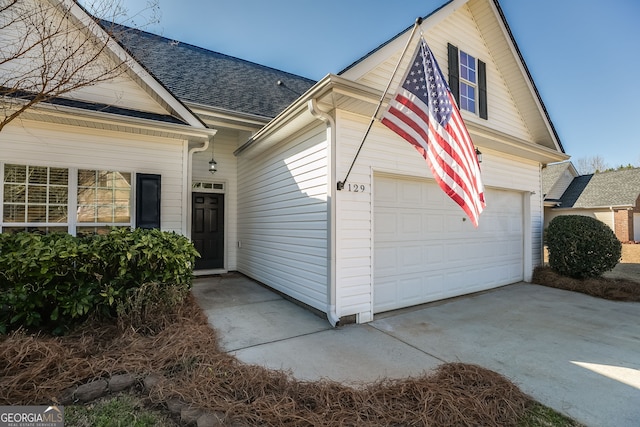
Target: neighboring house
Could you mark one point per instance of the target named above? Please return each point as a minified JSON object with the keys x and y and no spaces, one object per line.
{"x":389,"y":239}
{"x":612,"y":197}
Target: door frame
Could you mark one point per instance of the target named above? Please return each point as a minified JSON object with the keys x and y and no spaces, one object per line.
{"x":200,"y":189}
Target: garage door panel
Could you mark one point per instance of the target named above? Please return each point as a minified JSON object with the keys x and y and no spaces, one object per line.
{"x":438,"y":253}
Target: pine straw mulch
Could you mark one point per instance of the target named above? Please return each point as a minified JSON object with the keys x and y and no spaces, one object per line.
{"x":38,"y":369}
{"x":602,"y":287}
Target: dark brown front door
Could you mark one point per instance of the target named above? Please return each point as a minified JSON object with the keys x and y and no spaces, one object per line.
{"x":207,"y":229}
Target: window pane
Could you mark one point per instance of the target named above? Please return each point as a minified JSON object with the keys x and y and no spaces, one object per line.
{"x":472,"y":106}
{"x":104,"y":196}
{"x":15,"y":193}
{"x":58,"y":176}
{"x":122,"y":214}
{"x":37,"y":194}
{"x":86,"y":178}
{"x":14,"y":213}
{"x":58,"y":195}
{"x":86,"y":213}
{"x":37,"y":175}
{"x":37,"y":214}
{"x":15,"y":173}
{"x":105,"y":213}
{"x":57,"y":214}
{"x":123,"y":180}
{"x":122,"y":196}
{"x":86,"y":196}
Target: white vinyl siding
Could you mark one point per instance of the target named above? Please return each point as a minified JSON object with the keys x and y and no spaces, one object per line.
{"x":121,"y":92}
{"x":69,"y":147}
{"x":283,"y":218}
{"x":461,"y":30}
{"x":385,"y":152}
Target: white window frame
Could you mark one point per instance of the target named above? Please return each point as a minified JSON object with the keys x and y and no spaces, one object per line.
{"x":466,"y":82}
{"x":72,"y":224}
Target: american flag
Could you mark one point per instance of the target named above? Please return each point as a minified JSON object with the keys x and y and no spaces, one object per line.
{"x":424,"y":113}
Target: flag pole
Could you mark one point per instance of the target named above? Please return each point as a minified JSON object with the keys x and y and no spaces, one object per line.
{"x":384,"y":94}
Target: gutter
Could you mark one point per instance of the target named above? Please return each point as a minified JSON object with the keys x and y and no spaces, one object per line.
{"x":118,"y":121}
{"x":312,"y":106}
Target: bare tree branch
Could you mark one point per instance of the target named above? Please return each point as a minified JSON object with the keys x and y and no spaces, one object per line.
{"x":46,"y":52}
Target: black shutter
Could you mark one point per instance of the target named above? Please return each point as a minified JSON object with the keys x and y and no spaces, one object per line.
{"x":454,"y":72}
{"x":147,"y":200}
{"x":482,"y":90}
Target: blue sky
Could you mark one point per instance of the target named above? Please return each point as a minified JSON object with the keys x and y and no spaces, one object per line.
{"x":582,"y":54}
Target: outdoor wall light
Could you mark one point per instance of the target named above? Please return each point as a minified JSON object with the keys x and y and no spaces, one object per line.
{"x":479,"y":155}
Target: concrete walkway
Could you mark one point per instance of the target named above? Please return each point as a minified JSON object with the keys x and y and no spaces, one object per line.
{"x":577,"y":354}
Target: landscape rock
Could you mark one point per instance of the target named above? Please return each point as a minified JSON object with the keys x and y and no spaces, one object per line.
{"x":121,"y":382}
{"x":90,"y":391}
{"x":189,"y":414}
{"x":211,"y":419}
{"x":175,"y":405}
{"x":151,"y":381}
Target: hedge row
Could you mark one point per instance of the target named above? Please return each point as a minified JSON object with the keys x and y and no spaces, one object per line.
{"x":54,"y":281}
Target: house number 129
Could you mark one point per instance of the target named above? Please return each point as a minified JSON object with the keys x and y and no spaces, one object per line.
{"x":356,"y":188}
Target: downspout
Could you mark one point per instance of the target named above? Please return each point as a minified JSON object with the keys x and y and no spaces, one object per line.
{"x":186,"y":199}
{"x":312,"y":105}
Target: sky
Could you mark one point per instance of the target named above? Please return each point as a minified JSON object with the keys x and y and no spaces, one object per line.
{"x":582,"y":54}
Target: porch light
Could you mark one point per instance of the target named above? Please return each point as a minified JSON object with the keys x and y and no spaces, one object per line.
{"x":212,"y":162}
{"x":479,"y":155}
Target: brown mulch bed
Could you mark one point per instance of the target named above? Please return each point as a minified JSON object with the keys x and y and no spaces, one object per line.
{"x":611,"y":288}
{"x":38,"y":369}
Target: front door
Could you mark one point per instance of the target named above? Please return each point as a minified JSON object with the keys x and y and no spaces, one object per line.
{"x":207,"y":230}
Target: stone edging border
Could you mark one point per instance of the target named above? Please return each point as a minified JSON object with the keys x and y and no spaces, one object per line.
{"x":189,"y":415}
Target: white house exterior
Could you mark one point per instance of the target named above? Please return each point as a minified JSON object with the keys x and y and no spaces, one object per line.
{"x":82,"y":164}
{"x":389,"y":239}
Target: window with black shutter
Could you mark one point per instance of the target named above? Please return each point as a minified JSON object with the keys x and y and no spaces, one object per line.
{"x":468,"y":81}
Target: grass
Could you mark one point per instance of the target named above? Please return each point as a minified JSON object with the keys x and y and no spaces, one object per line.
{"x":538,"y":415}
{"x":121,"y":410}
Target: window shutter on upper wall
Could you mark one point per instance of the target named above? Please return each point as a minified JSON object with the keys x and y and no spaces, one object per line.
{"x":482,"y":90}
{"x":147,"y":200}
{"x":454,"y":72}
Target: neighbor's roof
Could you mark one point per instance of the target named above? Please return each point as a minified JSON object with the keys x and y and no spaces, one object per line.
{"x":616,"y":189}
{"x":208,"y":78}
{"x":551,"y":173}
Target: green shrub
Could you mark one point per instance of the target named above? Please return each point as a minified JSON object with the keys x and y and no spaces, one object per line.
{"x":581,"y":246}
{"x":54,"y":281}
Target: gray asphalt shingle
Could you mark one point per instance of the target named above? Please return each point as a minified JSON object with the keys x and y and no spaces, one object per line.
{"x":614,"y":188}
{"x":201,"y":76}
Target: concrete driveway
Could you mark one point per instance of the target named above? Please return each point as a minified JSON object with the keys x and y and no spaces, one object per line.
{"x":577,"y":354}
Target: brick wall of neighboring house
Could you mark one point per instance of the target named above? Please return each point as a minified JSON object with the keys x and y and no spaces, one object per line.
{"x":623,"y":221}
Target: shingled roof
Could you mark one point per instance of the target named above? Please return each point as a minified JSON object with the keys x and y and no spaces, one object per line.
{"x":551,"y":173}
{"x":619,"y":188}
{"x":208,"y":78}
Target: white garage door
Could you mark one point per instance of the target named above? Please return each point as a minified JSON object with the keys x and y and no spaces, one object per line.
{"x":636,"y":227}
{"x":425,"y":249}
